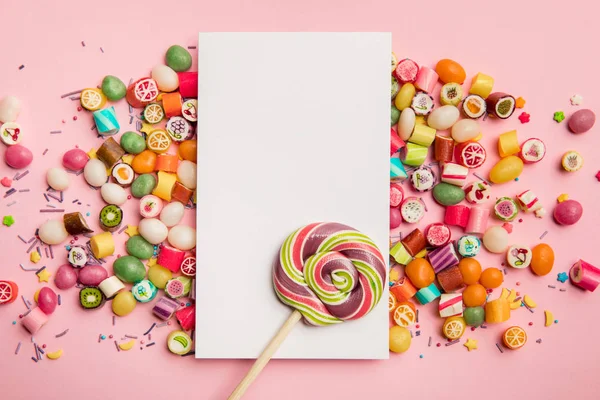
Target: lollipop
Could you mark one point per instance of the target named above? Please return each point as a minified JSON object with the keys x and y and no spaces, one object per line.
{"x":329,"y":273}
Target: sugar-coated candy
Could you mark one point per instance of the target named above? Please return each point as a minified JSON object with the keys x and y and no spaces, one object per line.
{"x":474,"y":106}
{"x":478,"y":219}
{"x":397,"y":170}
{"x":165,"y":308}
{"x":65,"y":277}
{"x":414,"y":154}
{"x":170,"y":258}
{"x":428,"y":294}
{"x":414,"y":242}
{"x":139,"y":247}
{"x":10,"y":107}
{"x":465,"y":130}
{"x":75,"y":159}
{"x":153,"y":230}
{"x":406,"y":70}
{"x":395,"y":142}
{"x":166,"y":78}
{"x":129,"y":269}
{"x":113,"y":194}
{"x":53,"y":232}
{"x":528,"y":201}
{"x":422,"y":178}
{"x":500,"y":105}
{"x":102,"y":245}
{"x":403,"y":289}
{"x":123,"y":303}
{"x":400,"y":254}
{"x":468,"y":245}
{"x":518,"y":256}
{"x":144,"y":291}
{"x":188,"y":84}
{"x":178,"y":342}
{"x":396,"y":195}
{"x":451,"y":279}
{"x":470,"y":270}
{"x":443,"y":257}
{"x":10,"y":133}
{"x":399,"y":339}
{"x":395,"y":87}
{"x":394,"y":115}
{"x":159,"y":275}
{"x":106,"y":121}
{"x":426,"y":79}
{"x":506,"y":209}
{"x":57,"y":178}
{"x":571,"y":161}
{"x":454,"y":174}
{"x":482,"y":85}
{"x":495,"y":239}
{"x":186,"y":174}
{"x":186,"y":317}
{"x":447,"y":194}
{"x":457,"y":215}
{"x":443,"y":118}
{"x":34,"y":320}
{"x":438,"y":234}
{"x":470,"y":154}
{"x":422,"y":103}
{"x":474,"y":316}
{"x":585,"y":275}
{"x":507,"y":169}
{"x":568,"y":212}
{"x":178,"y":58}
{"x":95,"y":173}
{"x":172,"y":214}
{"x":412,"y":209}
{"x":443,"y":149}
{"x":182,"y":237}
{"x":395,"y":217}
{"x":144,"y":162}
{"x":92,"y":275}
{"x":133,"y":143}
{"x":110,"y":152}
{"x":478,"y":192}
{"x":143,"y":185}
{"x":532,"y":150}
{"x":18,"y":156}
{"x":508,"y":144}
{"x":450,"y":305}
{"x":47,"y":300}
{"x":450,"y":71}
{"x":111,"y":286}
{"x":113,"y":88}
{"x":451,"y":94}
{"x":582,"y":121}
{"x":405,"y":97}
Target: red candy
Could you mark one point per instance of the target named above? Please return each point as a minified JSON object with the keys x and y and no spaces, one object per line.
{"x":187,"y":317}
{"x":18,"y":156}
{"x":438,"y":234}
{"x":395,"y":217}
{"x":406,"y":71}
{"x":395,"y":142}
{"x":396,"y":195}
{"x":457,"y":215}
{"x":188,"y":84}
{"x":75,"y":159}
{"x":170,"y":258}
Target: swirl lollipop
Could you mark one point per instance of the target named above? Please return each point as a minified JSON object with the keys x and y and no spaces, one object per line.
{"x":327,"y":272}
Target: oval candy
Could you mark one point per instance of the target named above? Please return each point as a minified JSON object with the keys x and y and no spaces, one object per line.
{"x":447,"y":194}
{"x":129,"y":269}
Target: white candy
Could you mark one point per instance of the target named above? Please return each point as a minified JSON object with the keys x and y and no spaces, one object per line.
{"x":53,"y":232}
{"x":94,"y":172}
{"x":186,"y":173}
{"x":182,"y":237}
{"x":172,"y":214}
{"x":10,"y":133}
{"x":166,"y":79}
{"x":495,"y":239}
{"x":57,"y":178}
{"x":10,"y":107}
{"x":406,"y":123}
{"x":113,"y":194}
{"x":153,"y":230}
{"x":465,"y":129}
{"x":443,"y":118}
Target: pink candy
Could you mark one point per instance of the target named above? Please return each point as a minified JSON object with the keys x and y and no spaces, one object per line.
{"x":395,"y":217}
{"x":585,"y":275}
{"x":426,"y":79}
{"x":34,"y":321}
{"x":18,"y":156}
{"x":457,"y":215}
{"x":170,"y":258}
{"x":75,"y":159}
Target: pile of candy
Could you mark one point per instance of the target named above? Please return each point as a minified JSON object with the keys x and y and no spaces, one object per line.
{"x":424,"y":257}
{"x":156,"y":166}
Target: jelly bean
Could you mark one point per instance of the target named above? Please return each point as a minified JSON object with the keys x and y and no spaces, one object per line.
{"x":10,"y":107}
{"x":507,"y":169}
{"x":187,"y":150}
{"x":395,"y":217}
{"x":582,"y":121}
{"x":75,"y":159}
{"x":542,"y":259}
{"x":57,"y":178}
{"x":443,"y":118}
{"x":186,"y":174}
{"x":178,"y":58}
{"x":406,"y":123}
{"x":144,"y":162}
{"x":143,"y":185}
{"x":92,"y":275}
{"x":95,"y":173}
{"x":18,"y":156}
{"x":159,"y":276}
{"x":172,"y":213}
{"x":47,"y":300}
{"x":420,"y":273}
{"x":65,"y":277}
{"x":465,"y":130}
{"x":166,"y":79}
{"x":495,"y":239}
{"x":129,"y":269}
{"x":113,"y":88}
{"x":394,"y":115}
{"x":405,"y":96}
{"x":153,"y":230}
{"x":182,"y":237}
{"x":450,"y":71}
{"x":113,"y":194}
{"x":470,"y":269}
{"x":447,"y":194}
{"x":139,"y":247}
{"x":123,"y":303}
{"x":474,"y":316}
{"x":133,"y":143}
{"x":491,"y":278}
{"x":53,"y":232}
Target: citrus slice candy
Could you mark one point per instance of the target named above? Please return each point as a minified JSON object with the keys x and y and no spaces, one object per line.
{"x":391,"y":302}
{"x":153,"y":113}
{"x":454,"y":327}
{"x":158,"y":141}
{"x":470,"y":154}
{"x":405,"y":314}
{"x":146,"y":90}
{"x":92,"y":99}
{"x":8,"y":292}
{"x":514,"y":337}
{"x":188,"y":266}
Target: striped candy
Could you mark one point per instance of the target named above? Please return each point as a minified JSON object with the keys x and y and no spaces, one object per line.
{"x":330,"y":273}
{"x":106,"y":121}
{"x":443,"y":257}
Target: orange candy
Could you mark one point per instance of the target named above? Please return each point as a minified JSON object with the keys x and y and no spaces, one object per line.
{"x":474,"y":295}
{"x":420,"y":273}
{"x":542,"y":259}
{"x":167,"y":163}
{"x":491,"y":278}
{"x":187,"y":150}
{"x":450,"y":71}
{"x":497,"y":311}
{"x":144,"y":162}
{"x":470,"y":270}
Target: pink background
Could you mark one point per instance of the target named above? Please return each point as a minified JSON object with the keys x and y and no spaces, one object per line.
{"x":543,"y":53}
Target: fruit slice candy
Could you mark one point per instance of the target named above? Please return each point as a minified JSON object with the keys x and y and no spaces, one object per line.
{"x":470,"y":154}
{"x":506,"y":209}
{"x":412,"y":210}
{"x":500,"y":105}
{"x":478,"y":192}
{"x":532,"y":150}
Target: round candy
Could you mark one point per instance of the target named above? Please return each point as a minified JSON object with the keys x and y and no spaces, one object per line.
{"x":478,"y":192}
{"x":95,"y":173}
{"x":447,"y":194}
{"x":75,"y":159}
{"x":420,"y":273}
{"x":166,"y":79}
{"x":77,"y":256}
{"x":395,"y":217}
{"x":491,"y":278}
{"x":92,"y":275}
{"x":422,"y":103}
{"x":396,"y":195}
{"x":450,"y":71}
{"x":113,"y":194}
{"x":144,"y":291}
{"x":506,"y":209}
{"x":189,"y":110}
{"x":182,"y":237}
{"x":495,"y":239}
{"x":572,"y":161}
{"x":178,"y":58}
{"x":129,"y":269}
{"x":53,"y":232}
{"x":178,"y":342}
{"x":143,"y":185}
{"x":438,"y":234}
{"x":474,"y":295}
{"x":474,"y":106}
{"x":470,"y":269}
{"x":465,"y":130}
{"x":153,"y":230}
{"x":10,"y":107}
{"x":470,"y":154}
{"x":412,"y":210}
{"x":582,"y":121}
{"x":188,"y":151}
{"x":542,"y":259}
{"x":532,"y":151}
{"x":18,"y":156}
{"x":518,"y":256}
{"x":159,"y":276}
{"x":113,"y":88}
{"x":568,"y":212}
{"x":144,"y":162}
{"x":123,"y":303}
{"x":474,"y":316}
{"x":179,"y":129}
{"x":451,"y":94}
{"x":468,"y":246}
{"x":47,"y":300}
{"x":399,"y":339}
{"x":188,"y":266}
{"x":91,"y":298}
{"x":123,"y":174}
{"x":150,"y":206}
{"x":443,"y":118}
{"x":110,"y":217}
{"x":172,"y":213}
{"x":507,"y":169}
{"x":65,"y":277}
{"x":10,"y":133}
{"x":178,"y":287}
{"x":186,"y":174}
{"x":422,"y":179}
{"x":139,"y":247}
{"x":133,"y":143}
{"x":57,"y":179}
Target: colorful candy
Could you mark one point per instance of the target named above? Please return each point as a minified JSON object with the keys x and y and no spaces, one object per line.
{"x":454,"y":174}
{"x":465,"y":130}
{"x":443,"y":257}
{"x":95,"y":173}
{"x":141,"y":92}
{"x":143,"y":185}
{"x":422,"y":103}
{"x":497,"y":311}
{"x":403,"y":289}
{"x":187,"y":317}
{"x":428,"y":294}
{"x":91,"y":298}
{"x":500,"y":105}
{"x":478,"y":192}
{"x":443,"y":149}
{"x":10,"y":107}
{"x":395,"y":142}
{"x":422,"y":135}
{"x":438,"y":234}
{"x":10,"y":133}
{"x":518,"y":256}
{"x":405,"y":97}
{"x":585,"y":275}
{"x":451,"y":94}
{"x":426,"y":79}
{"x":507,"y":169}
{"x":508,"y":144}
{"x":165,"y":184}
{"x":153,"y":230}
{"x":406,"y":71}
{"x":165,"y":308}
{"x":568,"y":212}
{"x":178,"y":58}
{"x":182,"y":237}
{"x":528,"y":201}
{"x":102,"y":245}
{"x":470,"y":270}
{"x":172,"y":214}
{"x":18,"y":156}
{"x":414,"y":154}
{"x":75,"y":159}
{"x":468,"y":245}
{"x":474,"y":106}
{"x":397,"y":170}
{"x":412,"y":210}
{"x":450,"y":279}
{"x":532,"y":150}
{"x":170,"y":258}
{"x":451,"y":304}
{"x":111,"y":217}
{"x":133,"y":143}
{"x":474,"y":295}
{"x":123,"y":303}
{"x":396,"y":194}
{"x":447,"y":194}
{"x":491,"y":278}
{"x":423,"y":179}
{"x":65,"y":277}
{"x":110,"y":152}
{"x":144,"y":291}
{"x":506,"y":209}
{"x":166,"y":78}
{"x":457,"y":215}
{"x":478,"y":219}
{"x":113,"y":88}
{"x":482,"y":85}
{"x":123,"y":174}
{"x":188,"y":84}
{"x":414,"y":242}
{"x":111,"y":286}
{"x":106,"y":122}
{"x":34,"y":320}
{"x":542,"y":259}
{"x":470,"y":154}
{"x":400,"y":254}
{"x":571,"y":161}
{"x":178,"y":342}
{"x":139,"y":247}
{"x":450,"y":71}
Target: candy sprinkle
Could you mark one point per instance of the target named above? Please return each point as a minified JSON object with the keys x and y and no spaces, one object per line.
{"x":21,"y":67}
{"x":452,"y":342}
{"x":150,"y":330}
{"x":543,"y":235}
{"x":62,"y":96}
{"x":429,"y":343}
{"x":117,"y":346}
{"x":18,"y":348}
{"x":499,"y":348}
{"x":150,"y":344}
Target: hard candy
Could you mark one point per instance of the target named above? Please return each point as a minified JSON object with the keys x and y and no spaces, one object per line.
{"x":113,"y":88}
{"x":75,"y":159}
{"x":57,"y":179}
{"x":18,"y":156}
{"x":92,"y":275}
{"x":495,"y":239}
{"x":153,"y":230}
{"x":182,"y":237}
{"x":53,"y":232}
{"x":186,"y":174}
{"x":123,"y":303}
{"x":95,"y":173}
{"x":139,"y":247}
{"x":113,"y":194}
{"x":443,"y":118}
{"x":10,"y":107}
{"x":65,"y":277}
{"x":133,"y":143}
{"x":178,"y":58}
{"x":47,"y":300}
{"x":166,"y":79}
{"x":172,"y":213}
{"x":143,"y":185}
{"x":129,"y":269}
{"x":447,"y":194}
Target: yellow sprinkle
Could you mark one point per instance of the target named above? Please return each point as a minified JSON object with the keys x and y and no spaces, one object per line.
{"x":520,"y":102}
{"x":34,"y":257}
{"x":43,"y":275}
{"x":132,"y":230}
{"x":562,"y":197}
{"x":471,"y":344}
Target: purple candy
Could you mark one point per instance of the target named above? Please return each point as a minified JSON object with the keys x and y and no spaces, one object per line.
{"x":443,"y":257}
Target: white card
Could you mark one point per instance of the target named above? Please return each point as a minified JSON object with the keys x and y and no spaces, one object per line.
{"x":293,"y":128}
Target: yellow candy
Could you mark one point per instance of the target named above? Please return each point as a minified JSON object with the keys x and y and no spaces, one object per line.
{"x":400,"y":339}
{"x":165,"y":184}
{"x":102,"y":245}
{"x":36,"y":295}
{"x":529,"y":301}
{"x":421,"y":254}
{"x":508,"y":144}
{"x":506,"y":169}
{"x":159,"y":276}
{"x":482,"y":85}
{"x":520,"y":102}
{"x":34,"y":257}
{"x":405,"y":96}
{"x":423,"y":135}
{"x":549,"y":318}
{"x":123,"y":303}
{"x":395,"y":274}
{"x":420,"y":120}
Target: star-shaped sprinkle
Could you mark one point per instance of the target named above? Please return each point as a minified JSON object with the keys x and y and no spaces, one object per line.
{"x":151,"y":262}
{"x":524,"y":117}
{"x":127,"y":159}
{"x":43,"y":275}
{"x":8,"y":220}
{"x":559,"y":116}
{"x":520,"y":102}
{"x":471,"y":344}
{"x":576,"y":99}
{"x":6,"y":181}
{"x":132,"y":230}
{"x":562,"y":197}
{"x":92,"y":153}
{"x":34,"y":257}
{"x":562,"y":277}
{"x":146,"y":128}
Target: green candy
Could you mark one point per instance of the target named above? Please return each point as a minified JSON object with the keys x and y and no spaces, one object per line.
{"x":178,"y":58}
{"x":474,"y":316}
{"x":133,"y":143}
{"x":139,"y":247}
{"x":113,"y":88}
{"x":143,"y":185}
{"x":447,"y":194}
{"x":129,"y":269}
{"x":395,"y":115}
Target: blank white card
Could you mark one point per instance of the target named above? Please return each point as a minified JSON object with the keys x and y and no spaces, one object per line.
{"x":293,"y":128}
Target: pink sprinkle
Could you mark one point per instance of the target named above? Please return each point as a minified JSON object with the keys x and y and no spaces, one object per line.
{"x":63,"y":121}
{"x":472,"y":328}
{"x":79,"y":108}
{"x":110,"y":336}
{"x":518,"y":293}
{"x":6,"y":181}
{"x":43,"y":346}
{"x":72,"y":242}
{"x":76,"y":238}
{"x":182,"y":304}
{"x":518,"y":283}
{"x":20,"y":315}
{"x":169,"y":323}
{"x":520,"y":219}
{"x":74,"y":117}
{"x":438,"y":345}
{"x":129,"y":197}
{"x":141,"y":342}
{"x":531,"y":324}
{"x":417,"y":326}
{"x":490,"y":290}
